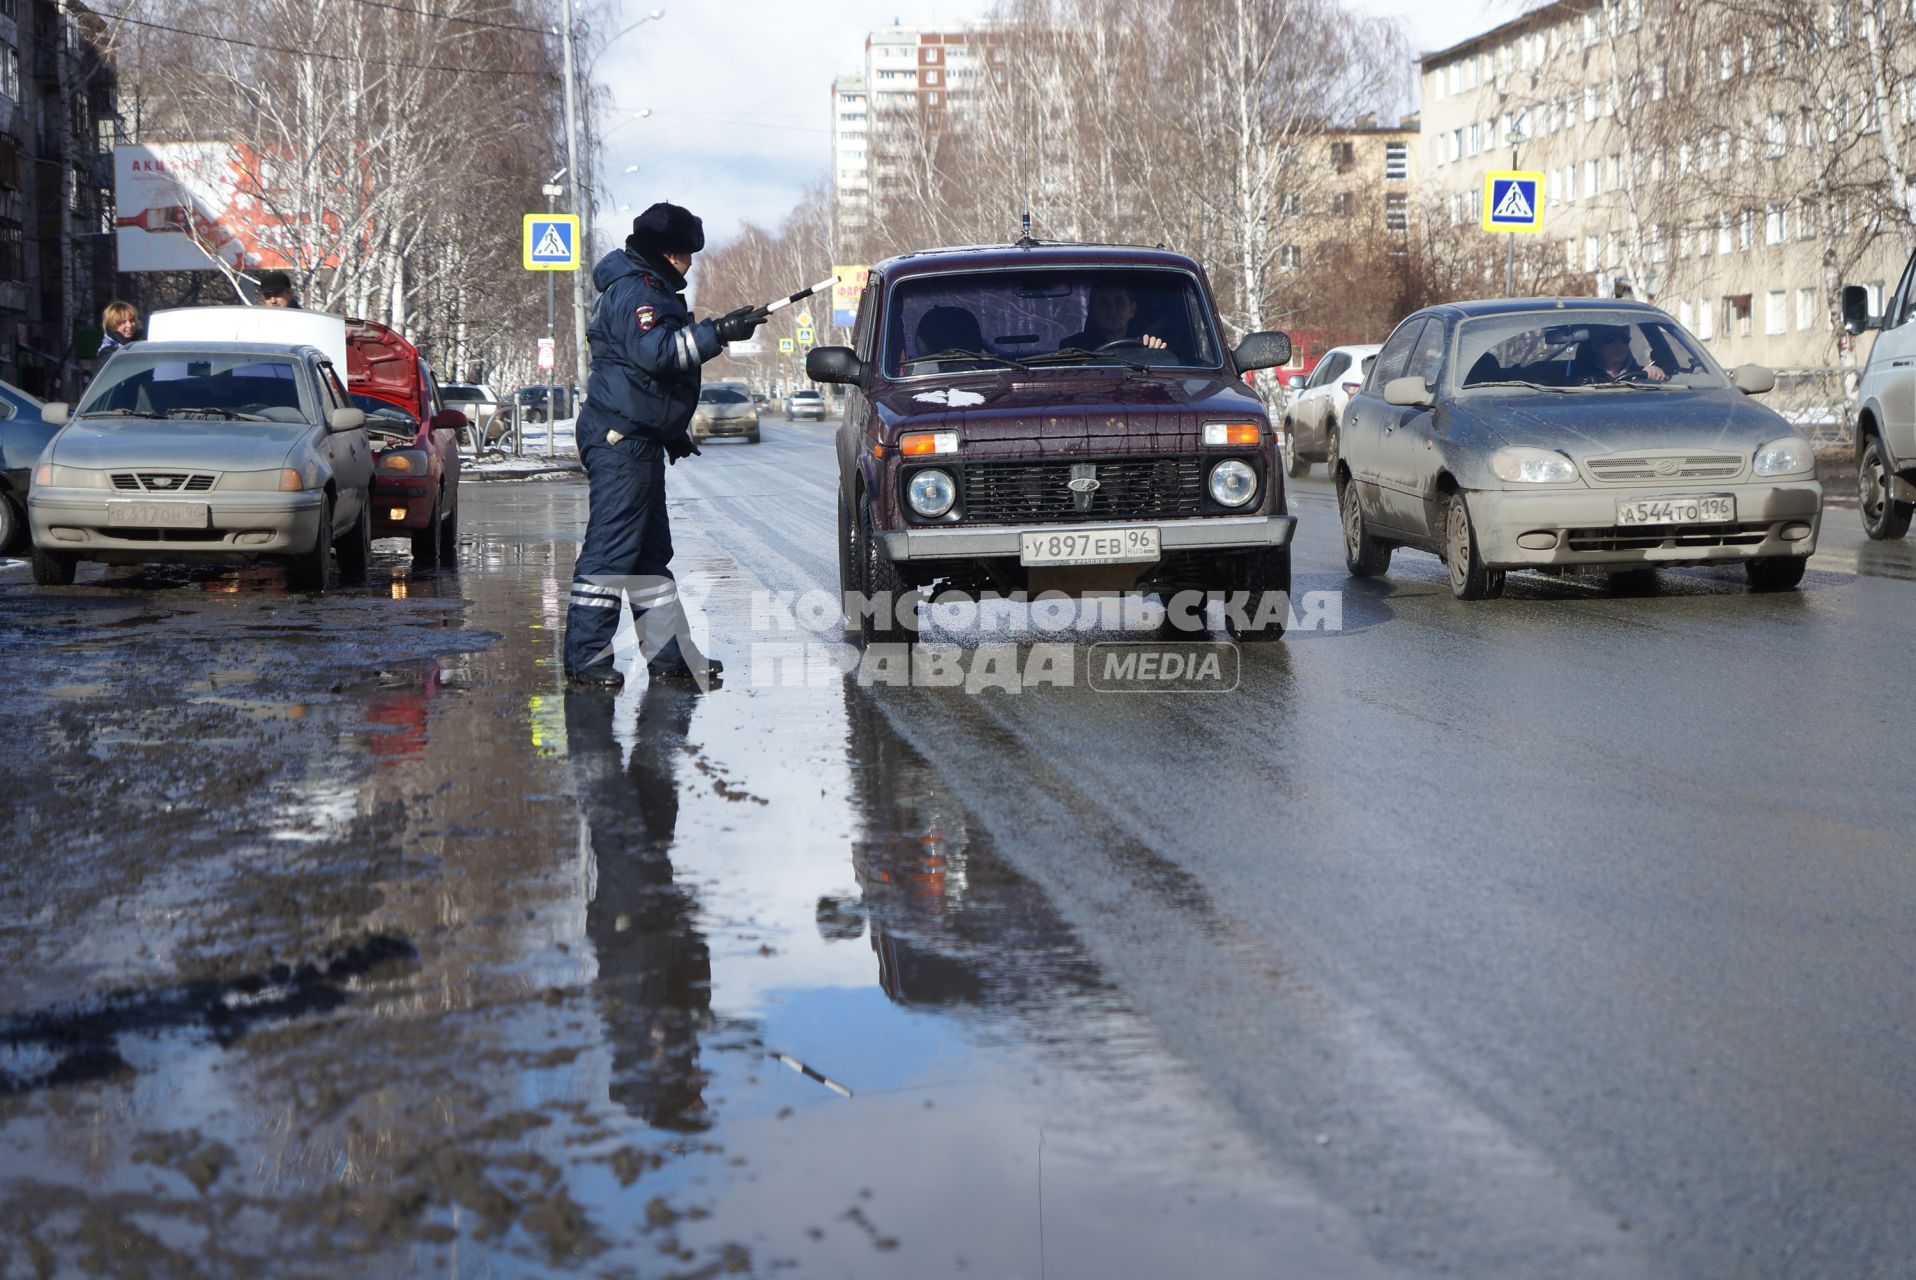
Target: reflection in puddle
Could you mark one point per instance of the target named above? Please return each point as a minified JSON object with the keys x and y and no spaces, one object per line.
{"x":655,"y":972}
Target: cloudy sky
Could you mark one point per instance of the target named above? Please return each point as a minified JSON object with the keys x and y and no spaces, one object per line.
{"x":740,"y":94}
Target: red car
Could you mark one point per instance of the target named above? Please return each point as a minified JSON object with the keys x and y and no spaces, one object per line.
{"x":415,"y":440}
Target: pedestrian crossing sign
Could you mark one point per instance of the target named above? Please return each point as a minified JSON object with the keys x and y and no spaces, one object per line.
{"x":551,"y":242}
{"x":1513,"y":201}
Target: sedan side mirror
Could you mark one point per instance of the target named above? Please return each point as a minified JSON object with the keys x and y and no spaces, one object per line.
{"x":450,"y":420}
{"x":1294,"y":383}
{"x":1856,"y":316}
{"x":1408,"y":393}
{"x":1753,"y":379}
{"x":55,"y":413}
{"x":834,"y":364}
{"x":1262,"y":350}
{"x":346,"y":420}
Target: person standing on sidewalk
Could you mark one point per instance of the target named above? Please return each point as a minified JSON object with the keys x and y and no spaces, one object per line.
{"x":647,"y":352}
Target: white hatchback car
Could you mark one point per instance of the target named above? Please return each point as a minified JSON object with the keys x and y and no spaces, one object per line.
{"x":1309,"y":431}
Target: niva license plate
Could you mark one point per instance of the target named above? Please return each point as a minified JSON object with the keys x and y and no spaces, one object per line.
{"x":1712,"y":509}
{"x":1089,"y":546}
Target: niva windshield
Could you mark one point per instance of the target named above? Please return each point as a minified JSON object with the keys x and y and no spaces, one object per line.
{"x":171,"y":384}
{"x":1022,"y":319}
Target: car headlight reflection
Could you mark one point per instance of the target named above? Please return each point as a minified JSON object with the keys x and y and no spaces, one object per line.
{"x":931,"y":493}
{"x":1532,"y":466}
{"x":1233,"y":483}
{"x":1784,"y":456}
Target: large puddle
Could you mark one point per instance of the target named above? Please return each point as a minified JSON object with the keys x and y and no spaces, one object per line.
{"x":480,"y":978}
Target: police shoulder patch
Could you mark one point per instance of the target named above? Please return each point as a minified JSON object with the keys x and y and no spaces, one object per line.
{"x":647,"y":317}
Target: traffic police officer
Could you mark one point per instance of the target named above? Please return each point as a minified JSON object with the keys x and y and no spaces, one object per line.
{"x":646,"y":354}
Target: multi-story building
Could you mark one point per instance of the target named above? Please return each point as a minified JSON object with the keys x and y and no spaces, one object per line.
{"x":1678,"y":164}
{"x":909,"y":80}
{"x":58,"y":123}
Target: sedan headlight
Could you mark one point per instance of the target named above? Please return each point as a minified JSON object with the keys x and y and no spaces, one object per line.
{"x":403,"y":462}
{"x":1532,"y":466}
{"x":1785,"y":456}
{"x":931,"y":493}
{"x":1233,"y":483}
{"x":54,"y":475}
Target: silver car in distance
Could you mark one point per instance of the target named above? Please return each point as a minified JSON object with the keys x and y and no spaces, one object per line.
{"x":1567,"y":434}
{"x":221,"y":452}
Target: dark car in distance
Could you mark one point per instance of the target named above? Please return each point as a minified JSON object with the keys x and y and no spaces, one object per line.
{"x":23,"y":434}
{"x":997,"y":441}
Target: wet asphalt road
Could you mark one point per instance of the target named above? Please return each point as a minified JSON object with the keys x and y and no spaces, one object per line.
{"x":1561,"y":935}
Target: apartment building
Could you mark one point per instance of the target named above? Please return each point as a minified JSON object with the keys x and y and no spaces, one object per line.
{"x":908,"y":81}
{"x":1367,"y":191}
{"x":1678,"y":166}
{"x":58,"y":123}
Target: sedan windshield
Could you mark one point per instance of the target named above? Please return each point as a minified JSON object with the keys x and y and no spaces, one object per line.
{"x":1063,"y":316}
{"x":1544,"y":350}
{"x":175,"y":384}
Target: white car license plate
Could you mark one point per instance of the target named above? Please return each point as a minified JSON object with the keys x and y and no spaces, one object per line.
{"x":1089,"y":546}
{"x":157,"y":515}
{"x":1715,"y":508}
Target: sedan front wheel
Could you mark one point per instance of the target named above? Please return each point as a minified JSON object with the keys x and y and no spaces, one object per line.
{"x":1470,"y":578}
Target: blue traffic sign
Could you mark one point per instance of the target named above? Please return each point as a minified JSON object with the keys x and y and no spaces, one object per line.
{"x":551,"y":242}
{"x":1513,"y":201}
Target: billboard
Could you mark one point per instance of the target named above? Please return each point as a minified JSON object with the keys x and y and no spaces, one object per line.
{"x":183,"y":205}
{"x":848,"y":283}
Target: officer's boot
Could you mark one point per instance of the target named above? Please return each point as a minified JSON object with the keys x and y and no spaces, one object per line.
{"x":670,"y":654}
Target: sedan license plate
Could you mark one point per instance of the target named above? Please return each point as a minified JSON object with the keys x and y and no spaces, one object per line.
{"x":1089,"y":546}
{"x":1715,"y":508}
{"x":157,"y":515}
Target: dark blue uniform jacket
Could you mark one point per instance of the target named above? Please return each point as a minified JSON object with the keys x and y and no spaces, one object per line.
{"x":646,"y":354}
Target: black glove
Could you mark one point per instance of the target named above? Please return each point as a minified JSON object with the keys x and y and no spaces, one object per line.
{"x":734,"y":326}
{"x":679,"y":448}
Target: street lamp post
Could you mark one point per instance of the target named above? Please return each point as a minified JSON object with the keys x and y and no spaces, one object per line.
{"x":552,"y":190}
{"x":572,"y":168}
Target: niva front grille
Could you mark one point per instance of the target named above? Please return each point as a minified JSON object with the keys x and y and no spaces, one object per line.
{"x":1127,"y":489}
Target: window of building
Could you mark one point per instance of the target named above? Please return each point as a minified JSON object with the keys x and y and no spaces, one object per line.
{"x":1343,"y":156}
{"x":931,"y":77}
{"x":1397,"y":212}
{"x":1289,"y":205}
{"x":1736,"y":314}
{"x":1705,"y":319}
{"x":1686,"y":314}
{"x":1396,"y":161}
{"x":1592,"y":253}
{"x":1589,"y":103}
{"x":1290,"y":257}
{"x":1805,"y":309}
{"x":931,"y":99}
{"x":1776,"y":317}
{"x":1776,"y":224}
{"x":1341,"y":204}
{"x":1725,"y":235}
{"x":1471,"y":137}
{"x":1590,"y":176}
{"x":1659,"y":247}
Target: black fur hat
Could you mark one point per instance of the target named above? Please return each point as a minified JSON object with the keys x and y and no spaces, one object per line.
{"x":274,"y":283}
{"x":666,"y":228}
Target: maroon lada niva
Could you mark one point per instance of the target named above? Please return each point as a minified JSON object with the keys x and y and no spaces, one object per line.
{"x":1054,"y":417}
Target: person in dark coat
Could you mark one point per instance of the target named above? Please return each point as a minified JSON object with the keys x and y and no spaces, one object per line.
{"x":276,"y":290}
{"x":119,"y":325}
{"x":647,"y":352}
